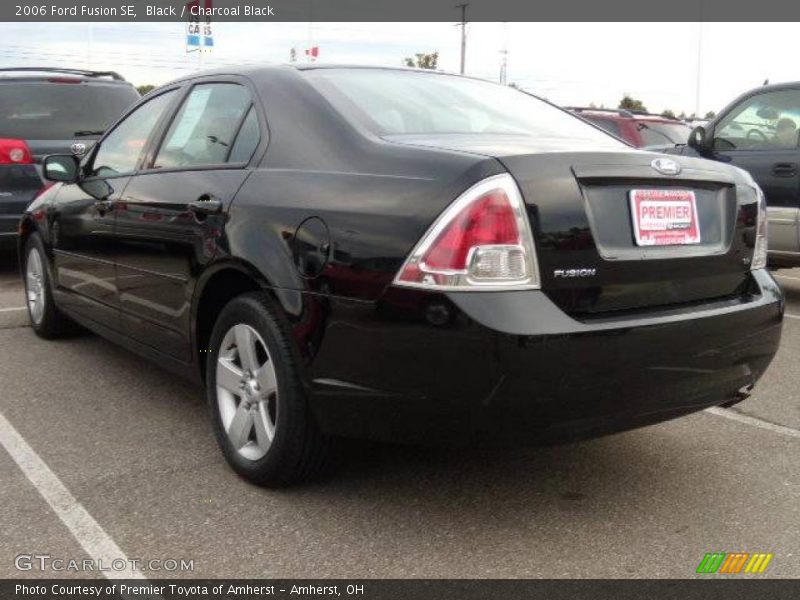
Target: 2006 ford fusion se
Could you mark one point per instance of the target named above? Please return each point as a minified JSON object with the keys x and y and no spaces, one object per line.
{"x":403,"y":255}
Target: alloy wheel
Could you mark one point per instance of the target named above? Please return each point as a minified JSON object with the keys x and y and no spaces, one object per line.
{"x":34,"y":286}
{"x":247,"y":391}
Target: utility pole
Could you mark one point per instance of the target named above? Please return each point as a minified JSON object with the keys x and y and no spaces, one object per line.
{"x":504,"y":54}
{"x":699,"y":69}
{"x":463,"y":8}
{"x":699,"y":59}
{"x":89,"y":44}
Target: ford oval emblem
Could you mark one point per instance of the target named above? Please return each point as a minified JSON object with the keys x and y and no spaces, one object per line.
{"x":666,"y":166}
{"x":78,"y":149}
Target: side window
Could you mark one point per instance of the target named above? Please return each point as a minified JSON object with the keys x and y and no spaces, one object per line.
{"x":247,"y":140}
{"x":121,"y":149}
{"x":764,"y":122}
{"x":203,"y":130}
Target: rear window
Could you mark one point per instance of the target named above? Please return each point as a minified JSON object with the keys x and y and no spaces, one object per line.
{"x":658,"y":134}
{"x":58,"y":111}
{"x":390,"y":102}
{"x":606,"y":124}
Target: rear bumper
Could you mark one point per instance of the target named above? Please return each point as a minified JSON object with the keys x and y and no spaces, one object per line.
{"x":513,"y":367}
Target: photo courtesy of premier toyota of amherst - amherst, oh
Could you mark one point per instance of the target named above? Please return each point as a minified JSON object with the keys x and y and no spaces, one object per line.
{"x":337,"y":252}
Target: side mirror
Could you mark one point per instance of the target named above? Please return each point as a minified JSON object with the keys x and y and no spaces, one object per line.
{"x":698,"y":139}
{"x":61,"y":167}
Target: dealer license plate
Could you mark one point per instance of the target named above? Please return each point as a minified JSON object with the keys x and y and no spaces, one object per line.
{"x":666,"y":217}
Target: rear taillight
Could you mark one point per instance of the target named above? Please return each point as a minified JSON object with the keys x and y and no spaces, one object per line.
{"x":14,"y":152}
{"x":760,"y":247}
{"x":482,"y":241}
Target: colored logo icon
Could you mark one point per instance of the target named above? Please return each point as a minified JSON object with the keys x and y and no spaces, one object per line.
{"x":734,"y":562}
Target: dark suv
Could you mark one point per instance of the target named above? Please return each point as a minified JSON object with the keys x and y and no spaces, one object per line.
{"x":638,"y":128}
{"x":759,"y":133}
{"x":48,"y":111}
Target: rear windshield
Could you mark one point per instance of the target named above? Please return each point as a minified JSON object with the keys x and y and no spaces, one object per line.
{"x":58,"y":111}
{"x":657,"y":134}
{"x":607,"y":124}
{"x":390,"y":102}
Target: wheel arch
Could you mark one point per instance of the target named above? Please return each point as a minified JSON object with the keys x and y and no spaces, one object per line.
{"x":218,"y":285}
{"x":27,"y":227}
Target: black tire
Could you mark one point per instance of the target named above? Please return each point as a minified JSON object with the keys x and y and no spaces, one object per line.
{"x":298,"y":449}
{"x":52,"y":323}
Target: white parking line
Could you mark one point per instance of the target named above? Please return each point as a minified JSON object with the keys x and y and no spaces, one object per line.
{"x":753,"y":421}
{"x":13,"y":308}
{"x":788,"y":277}
{"x":92,"y":537}
{"x":788,"y":316}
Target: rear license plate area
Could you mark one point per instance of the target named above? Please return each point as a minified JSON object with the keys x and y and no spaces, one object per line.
{"x":664,"y":217}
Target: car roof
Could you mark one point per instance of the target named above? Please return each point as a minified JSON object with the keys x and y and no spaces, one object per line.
{"x":248,"y":70}
{"x":658,"y":119}
{"x":47,"y":73}
{"x":621,"y":114}
{"x":770,"y":87}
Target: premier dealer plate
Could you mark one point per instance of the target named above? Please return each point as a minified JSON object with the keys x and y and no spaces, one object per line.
{"x":666,"y":217}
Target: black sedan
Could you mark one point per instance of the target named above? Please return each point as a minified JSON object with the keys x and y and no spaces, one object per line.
{"x":402,"y":255}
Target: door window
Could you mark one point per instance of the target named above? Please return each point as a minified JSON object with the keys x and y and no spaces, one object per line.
{"x":120,"y":151}
{"x":247,"y":140}
{"x":767,"y":121}
{"x":204,"y":129}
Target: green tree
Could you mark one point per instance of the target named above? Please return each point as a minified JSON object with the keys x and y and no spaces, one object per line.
{"x":423,"y":61}
{"x":630,"y":103}
{"x":668,"y":114}
{"x":143,"y":89}
{"x":710,"y":114}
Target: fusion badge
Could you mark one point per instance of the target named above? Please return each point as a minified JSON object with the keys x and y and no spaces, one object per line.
{"x":574,"y":273}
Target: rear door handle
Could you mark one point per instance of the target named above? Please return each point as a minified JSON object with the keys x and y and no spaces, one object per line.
{"x":784,"y":169}
{"x":207,"y":204}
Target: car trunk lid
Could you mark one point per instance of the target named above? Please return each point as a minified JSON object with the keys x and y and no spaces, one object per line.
{"x":585,"y":229}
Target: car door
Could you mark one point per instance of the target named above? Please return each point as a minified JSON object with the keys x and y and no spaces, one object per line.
{"x":760,"y":135}
{"x":170,"y":220}
{"x":84,"y":247}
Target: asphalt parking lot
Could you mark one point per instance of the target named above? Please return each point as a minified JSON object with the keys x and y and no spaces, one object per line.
{"x":134,"y":448}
